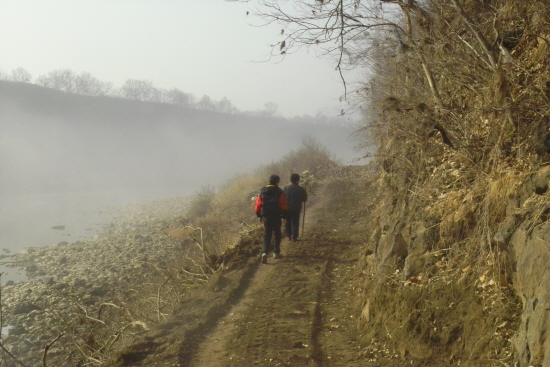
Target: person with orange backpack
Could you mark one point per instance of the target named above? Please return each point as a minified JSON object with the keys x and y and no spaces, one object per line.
{"x":271,"y":207}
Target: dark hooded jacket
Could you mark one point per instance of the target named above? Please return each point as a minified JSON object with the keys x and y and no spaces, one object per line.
{"x":295,"y":196}
{"x":271,"y":202}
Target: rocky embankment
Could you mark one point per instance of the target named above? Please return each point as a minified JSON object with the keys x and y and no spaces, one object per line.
{"x":486,"y":305}
{"x":90,"y":293}
{"x":524,"y":238}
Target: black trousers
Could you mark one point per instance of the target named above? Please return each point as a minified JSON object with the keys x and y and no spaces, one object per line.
{"x":272,"y":226}
{"x":293,"y":225}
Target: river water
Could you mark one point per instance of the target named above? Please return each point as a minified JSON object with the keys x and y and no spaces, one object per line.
{"x":26,"y":220}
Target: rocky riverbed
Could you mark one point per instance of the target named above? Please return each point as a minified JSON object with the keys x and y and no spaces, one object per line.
{"x":87,"y":295}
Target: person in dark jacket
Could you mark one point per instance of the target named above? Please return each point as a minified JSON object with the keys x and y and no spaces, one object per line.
{"x":295,"y":196}
{"x":271,"y":207}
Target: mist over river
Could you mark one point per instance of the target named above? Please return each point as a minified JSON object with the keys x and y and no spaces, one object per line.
{"x":68,"y":160}
{"x":26,"y":220}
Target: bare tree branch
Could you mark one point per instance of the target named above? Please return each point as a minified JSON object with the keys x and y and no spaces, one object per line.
{"x":12,"y":356}
{"x":335,"y":27}
{"x":158,"y":297}
{"x":48,"y":347}
{"x":480,"y":38}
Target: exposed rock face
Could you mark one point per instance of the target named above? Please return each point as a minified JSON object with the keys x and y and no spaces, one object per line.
{"x":409,"y":249}
{"x":529,"y":245}
{"x":391,"y":250}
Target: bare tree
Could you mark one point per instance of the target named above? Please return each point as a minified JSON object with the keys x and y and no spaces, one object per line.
{"x":177,"y":97}
{"x":106,"y":89}
{"x":20,"y":75}
{"x":158,"y":95}
{"x":63,"y":79}
{"x":206,"y":103}
{"x":141,"y":90}
{"x":345,"y":29}
{"x":84,"y":83}
{"x":271,"y":108}
{"x":224,"y":105}
{"x":44,"y":81}
{"x":87,"y":84}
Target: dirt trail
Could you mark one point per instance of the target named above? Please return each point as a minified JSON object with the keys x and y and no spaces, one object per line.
{"x":295,"y":311}
{"x":298,"y":310}
{"x":214,"y":350}
{"x":289,"y":314}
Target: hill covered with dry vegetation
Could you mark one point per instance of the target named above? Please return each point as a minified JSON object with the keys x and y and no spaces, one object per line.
{"x":462,"y":212}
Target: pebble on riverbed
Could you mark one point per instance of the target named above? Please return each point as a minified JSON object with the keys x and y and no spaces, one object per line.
{"x":70,"y":279}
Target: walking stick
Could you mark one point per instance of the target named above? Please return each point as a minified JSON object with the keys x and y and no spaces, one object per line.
{"x":303,"y":219}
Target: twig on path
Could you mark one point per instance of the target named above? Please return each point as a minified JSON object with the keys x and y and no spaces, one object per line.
{"x":158,"y":296}
{"x":48,"y":347}
{"x":11,"y":355}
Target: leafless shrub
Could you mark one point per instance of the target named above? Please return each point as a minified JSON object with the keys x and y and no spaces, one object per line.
{"x":201,"y":203}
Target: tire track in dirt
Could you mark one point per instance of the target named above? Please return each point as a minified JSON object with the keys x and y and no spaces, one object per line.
{"x":282,"y":318}
{"x":273,"y":321}
{"x":212,"y":350}
{"x":278,"y":327}
{"x":337,"y":325}
{"x":199,"y":336}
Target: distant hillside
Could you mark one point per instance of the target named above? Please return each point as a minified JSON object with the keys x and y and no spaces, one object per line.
{"x":55,"y":141}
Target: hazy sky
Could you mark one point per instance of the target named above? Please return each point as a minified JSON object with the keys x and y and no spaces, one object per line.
{"x":199,"y":46}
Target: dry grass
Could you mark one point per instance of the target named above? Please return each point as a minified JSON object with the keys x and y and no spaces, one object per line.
{"x":465,"y":159}
{"x":201,"y":203}
{"x":459,"y":167}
